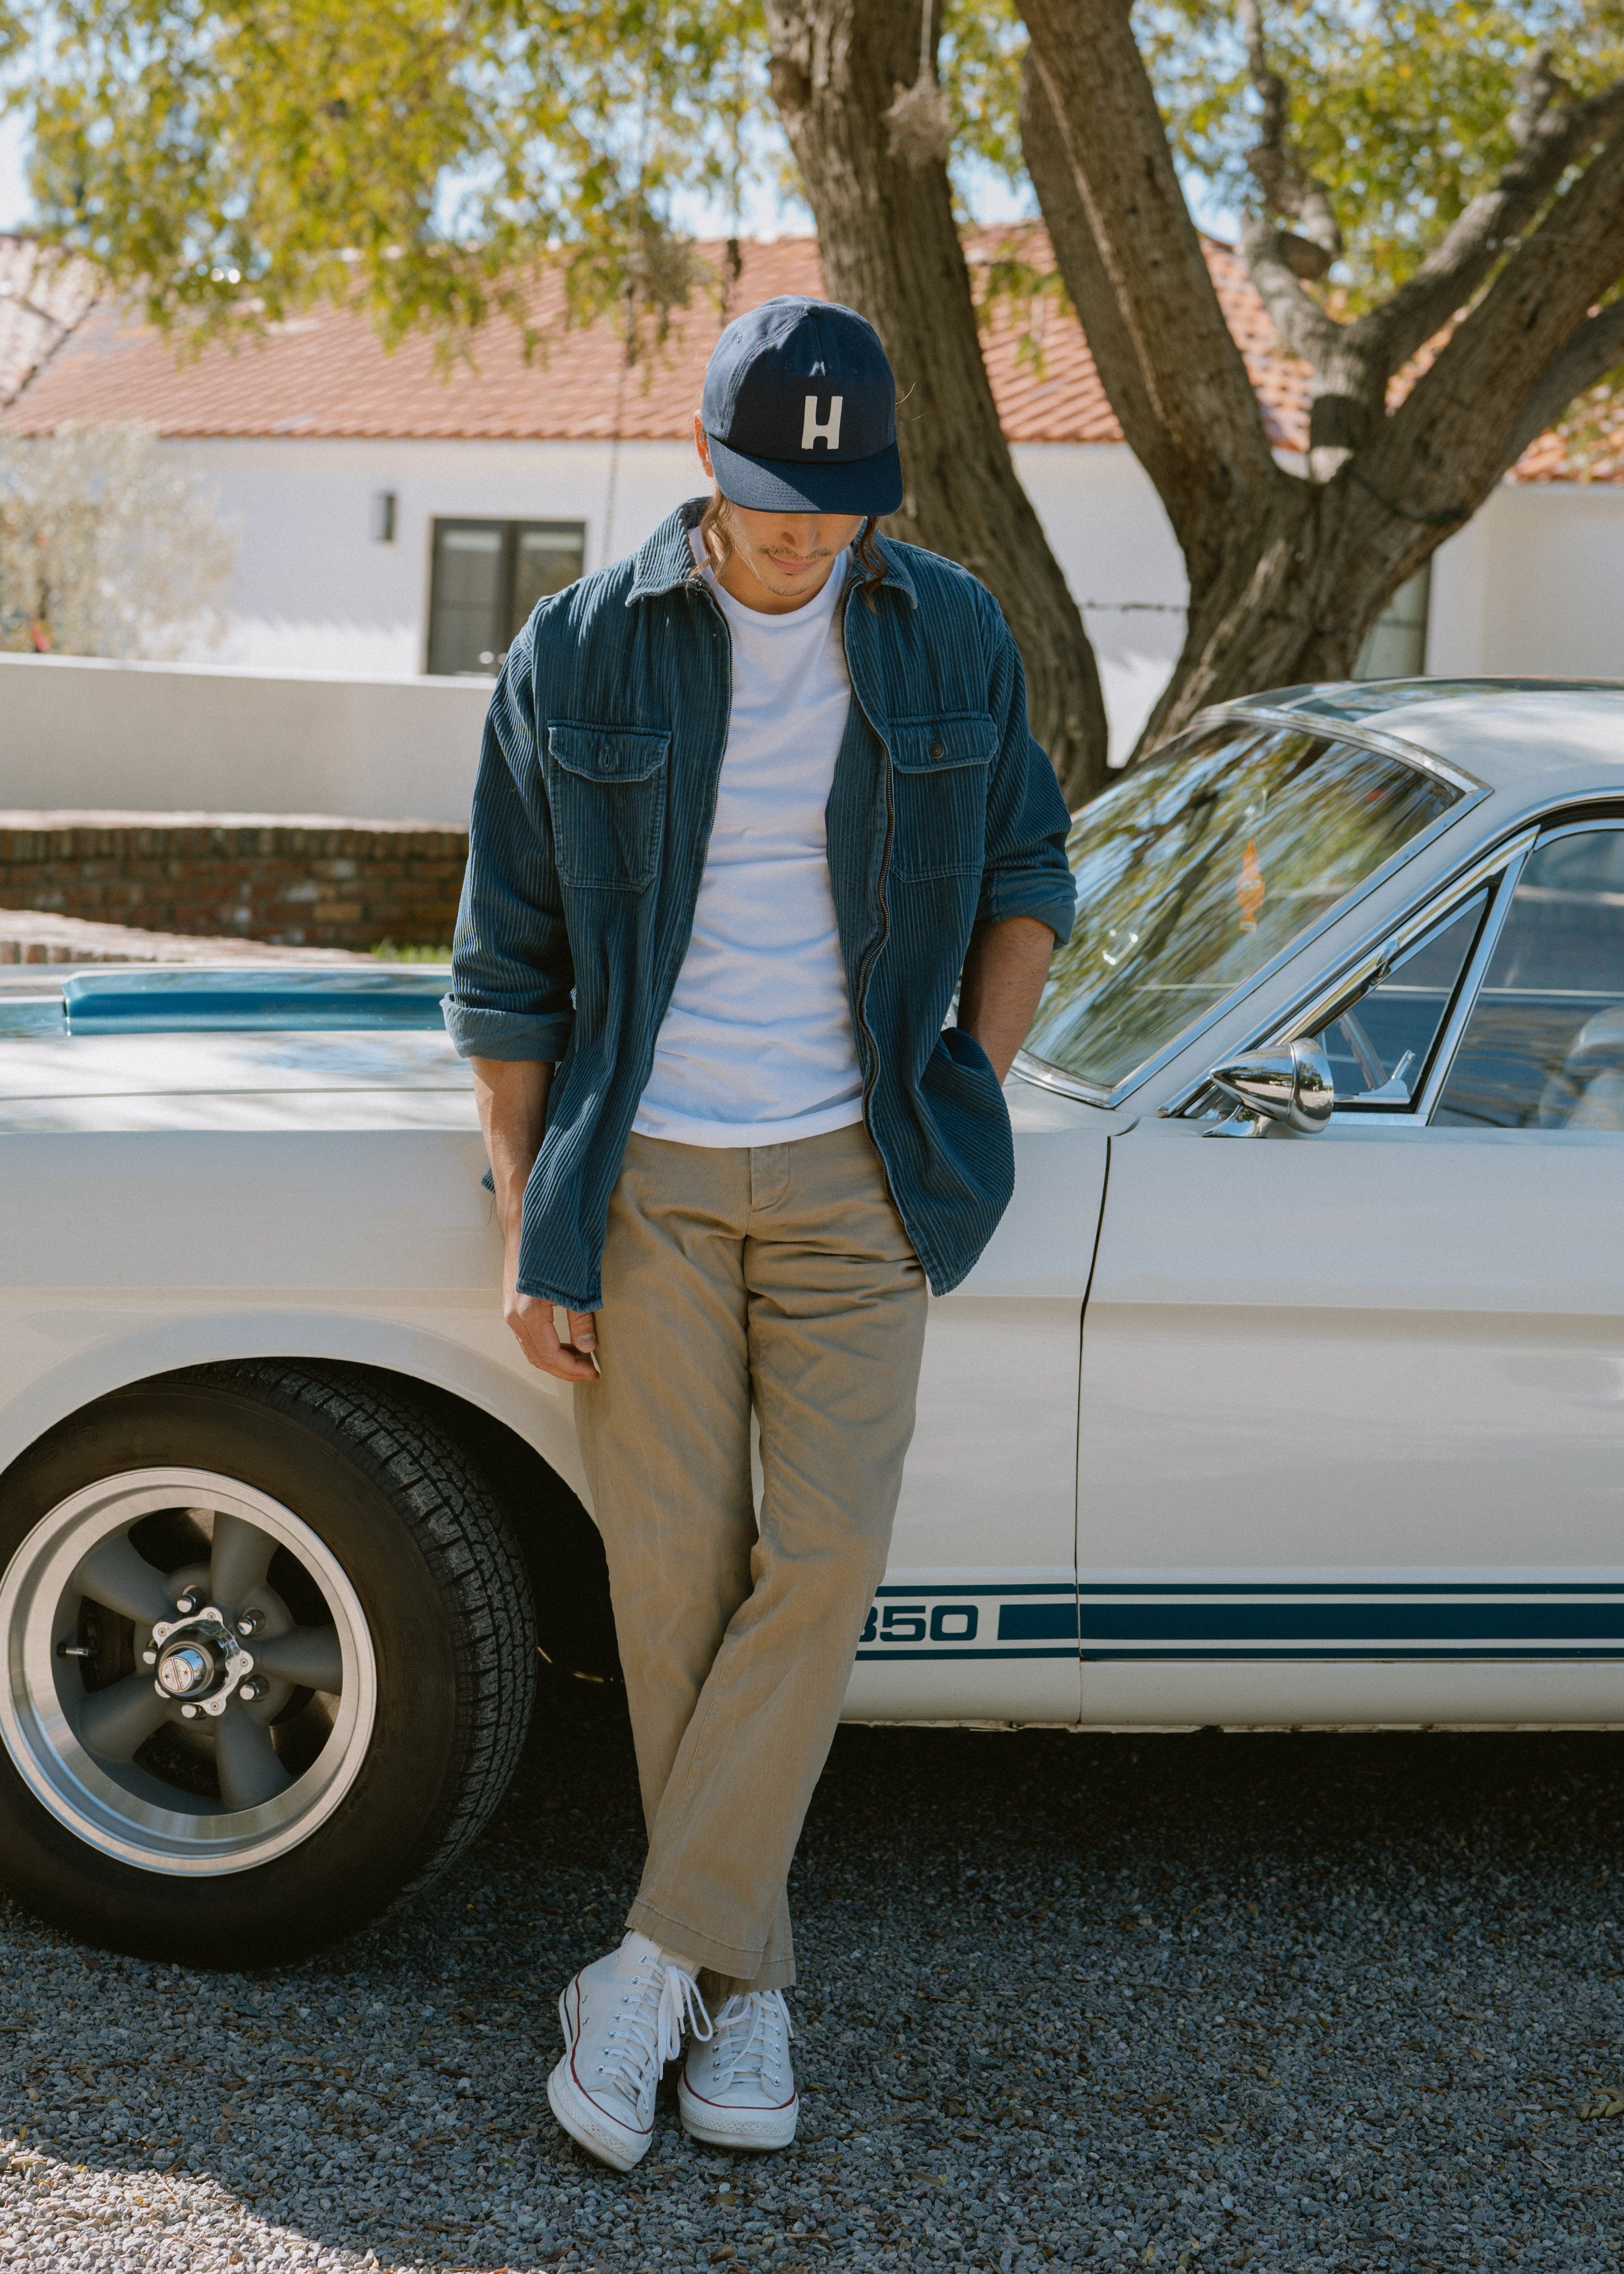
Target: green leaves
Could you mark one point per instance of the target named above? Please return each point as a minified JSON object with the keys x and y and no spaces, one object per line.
{"x":1402,"y":109}
{"x":234,"y":161}
{"x":230,"y":162}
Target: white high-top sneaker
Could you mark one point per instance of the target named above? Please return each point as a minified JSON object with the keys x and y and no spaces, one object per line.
{"x":737,"y":2088}
{"x":623,"y":2019}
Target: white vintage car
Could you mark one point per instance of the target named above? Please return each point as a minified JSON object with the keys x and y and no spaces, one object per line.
{"x":1290,"y":1391}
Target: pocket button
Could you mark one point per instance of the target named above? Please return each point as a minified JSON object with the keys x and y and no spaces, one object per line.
{"x":937,"y":751}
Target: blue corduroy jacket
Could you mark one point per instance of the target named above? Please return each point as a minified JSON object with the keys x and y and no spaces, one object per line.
{"x":591,"y":817}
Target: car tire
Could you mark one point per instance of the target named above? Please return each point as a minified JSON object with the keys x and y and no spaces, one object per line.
{"x":285,"y":1800}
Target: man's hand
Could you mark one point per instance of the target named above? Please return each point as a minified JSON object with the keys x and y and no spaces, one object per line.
{"x":512,"y":1097}
{"x":1004,"y":976}
{"x":531,"y":1317}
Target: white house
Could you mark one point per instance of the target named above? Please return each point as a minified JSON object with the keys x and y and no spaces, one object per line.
{"x":394,"y":519}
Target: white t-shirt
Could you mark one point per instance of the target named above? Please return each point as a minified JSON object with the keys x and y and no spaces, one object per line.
{"x":756,"y":1048}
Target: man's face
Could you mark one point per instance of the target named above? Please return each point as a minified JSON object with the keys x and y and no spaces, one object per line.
{"x":788,"y":555}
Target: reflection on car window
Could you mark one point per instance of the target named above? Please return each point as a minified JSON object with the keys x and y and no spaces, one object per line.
{"x":1381,"y":1046}
{"x":1545,"y":1045}
{"x":1199,"y":868}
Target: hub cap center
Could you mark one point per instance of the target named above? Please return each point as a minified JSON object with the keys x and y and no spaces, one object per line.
{"x":185,"y":1670}
{"x":197,"y":1660}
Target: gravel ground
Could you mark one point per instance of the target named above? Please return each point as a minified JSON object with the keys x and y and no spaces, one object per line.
{"x":1214,"y":2001}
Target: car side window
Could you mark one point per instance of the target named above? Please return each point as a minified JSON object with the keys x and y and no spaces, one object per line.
{"x":1544,"y":1048}
{"x":1381,"y":1046}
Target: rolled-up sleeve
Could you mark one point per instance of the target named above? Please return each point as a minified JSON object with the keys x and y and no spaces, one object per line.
{"x":512,"y":977}
{"x":1026,"y":872}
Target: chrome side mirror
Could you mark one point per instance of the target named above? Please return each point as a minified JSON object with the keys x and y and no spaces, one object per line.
{"x":1293,"y":1086}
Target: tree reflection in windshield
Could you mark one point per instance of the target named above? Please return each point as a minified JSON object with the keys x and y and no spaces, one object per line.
{"x":1199,"y":868}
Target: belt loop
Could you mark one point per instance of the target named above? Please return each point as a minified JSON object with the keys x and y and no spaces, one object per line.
{"x":769,"y":1175}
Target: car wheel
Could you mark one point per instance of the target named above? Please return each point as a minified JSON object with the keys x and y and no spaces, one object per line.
{"x":270,"y":1660}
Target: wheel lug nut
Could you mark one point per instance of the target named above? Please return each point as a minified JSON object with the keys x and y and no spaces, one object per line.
{"x":250,"y":1623}
{"x":187,"y":1603}
{"x":252,"y":1690}
{"x":191,"y":1712}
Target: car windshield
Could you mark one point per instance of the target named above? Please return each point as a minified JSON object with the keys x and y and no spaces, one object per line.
{"x":1199,"y":868}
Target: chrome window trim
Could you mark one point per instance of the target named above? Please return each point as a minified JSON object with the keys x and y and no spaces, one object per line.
{"x":1044,"y":1075}
{"x":1391,"y":746}
{"x":1367,"y":961}
{"x":1488,"y":941}
{"x":1363,"y":965}
{"x":1472,"y":979}
{"x":1582,"y":828}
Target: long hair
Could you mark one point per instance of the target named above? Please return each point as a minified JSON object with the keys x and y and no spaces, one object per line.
{"x":716,"y":538}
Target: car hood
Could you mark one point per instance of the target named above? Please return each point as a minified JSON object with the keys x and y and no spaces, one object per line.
{"x":260,"y":1081}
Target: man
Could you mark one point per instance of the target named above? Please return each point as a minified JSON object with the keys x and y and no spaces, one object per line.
{"x":750,"y":805}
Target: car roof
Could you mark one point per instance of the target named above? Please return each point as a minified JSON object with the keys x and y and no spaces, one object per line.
{"x":1509,"y":733}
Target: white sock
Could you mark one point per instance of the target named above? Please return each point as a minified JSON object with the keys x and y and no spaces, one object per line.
{"x":641,"y":1946}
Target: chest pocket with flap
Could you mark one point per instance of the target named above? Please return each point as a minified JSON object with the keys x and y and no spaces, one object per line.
{"x":606,"y":787}
{"x":939,"y":782}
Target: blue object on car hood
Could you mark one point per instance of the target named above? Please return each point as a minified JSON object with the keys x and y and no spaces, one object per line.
{"x":178,"y":998}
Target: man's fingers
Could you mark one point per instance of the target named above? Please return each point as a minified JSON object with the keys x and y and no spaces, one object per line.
{"x":531,"y":1320}
{"x":582,"y":1329}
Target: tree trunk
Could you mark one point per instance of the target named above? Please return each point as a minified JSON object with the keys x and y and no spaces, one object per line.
{"x":1296,"y":588}
{"x":1287,"y":575}
{"x":890,"y":248}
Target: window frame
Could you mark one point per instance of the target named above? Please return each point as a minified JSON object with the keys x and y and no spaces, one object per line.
{"x":1502,"y":866}
{"x":1044,"y":1075}
{"x":510,"y":531}
{"x":1500,"y":869}
{"x":1546,"y":831}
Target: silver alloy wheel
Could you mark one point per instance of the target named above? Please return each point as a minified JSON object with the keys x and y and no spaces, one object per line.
{"x":218,"y":1620}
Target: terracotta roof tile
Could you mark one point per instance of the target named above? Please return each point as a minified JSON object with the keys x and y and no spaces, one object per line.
{"x":326,"y":374}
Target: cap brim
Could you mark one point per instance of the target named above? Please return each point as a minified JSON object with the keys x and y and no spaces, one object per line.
{"x":865,"y":486}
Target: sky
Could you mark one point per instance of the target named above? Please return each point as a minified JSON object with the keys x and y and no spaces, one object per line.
{"x":14,"y":189}
{"x":764,"y":215}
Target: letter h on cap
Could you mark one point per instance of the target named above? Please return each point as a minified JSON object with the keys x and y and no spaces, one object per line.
{"x":828,"y":430}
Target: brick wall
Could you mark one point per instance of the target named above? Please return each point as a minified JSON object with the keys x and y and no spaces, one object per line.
{"x":296,"y":881}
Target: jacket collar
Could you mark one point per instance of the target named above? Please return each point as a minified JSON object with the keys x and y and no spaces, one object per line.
{"x":666,"y":560}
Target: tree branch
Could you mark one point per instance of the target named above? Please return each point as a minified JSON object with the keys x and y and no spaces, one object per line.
{"x":1287,"y":186}
{"x":1552,"y":133}
{"x":1279,"y":262}
{"x":1133,"y":264}
{"x":1445,"y":445}
{"x":1110,"y":342}
{"x":889,"y":246}
{"x":1302,"y":325}
{"x":1589,"y":355}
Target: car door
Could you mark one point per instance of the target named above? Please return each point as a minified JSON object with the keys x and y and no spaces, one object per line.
{"x":1352,"y":1404}
{"x":977,"y":1617}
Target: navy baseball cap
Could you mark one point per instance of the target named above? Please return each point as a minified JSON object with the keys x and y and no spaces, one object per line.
{"x":800,"y":409}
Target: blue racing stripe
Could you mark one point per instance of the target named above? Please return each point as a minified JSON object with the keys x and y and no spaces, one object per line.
{"x":1597,"y":1621}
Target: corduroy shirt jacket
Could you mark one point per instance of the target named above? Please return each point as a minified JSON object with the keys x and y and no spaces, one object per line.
{"x":591,"y":817}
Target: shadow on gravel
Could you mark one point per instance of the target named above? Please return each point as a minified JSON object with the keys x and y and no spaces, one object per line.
{"x":1204,"y":2002}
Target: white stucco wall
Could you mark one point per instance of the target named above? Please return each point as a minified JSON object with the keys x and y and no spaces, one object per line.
{"x":1534,"y":585}
{"x":1115,"y":544}
{"x":314,"y":590}
{"x":76,"y":732}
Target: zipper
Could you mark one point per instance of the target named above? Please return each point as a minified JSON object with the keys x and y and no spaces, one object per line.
{"x":872,"y":1074}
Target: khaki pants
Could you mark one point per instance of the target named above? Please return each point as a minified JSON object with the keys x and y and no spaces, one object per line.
{"x":776,"y":1277}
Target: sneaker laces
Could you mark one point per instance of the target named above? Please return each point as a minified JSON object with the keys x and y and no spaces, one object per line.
{"x":747,"y":2036}
{"x":647,"y":2032}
